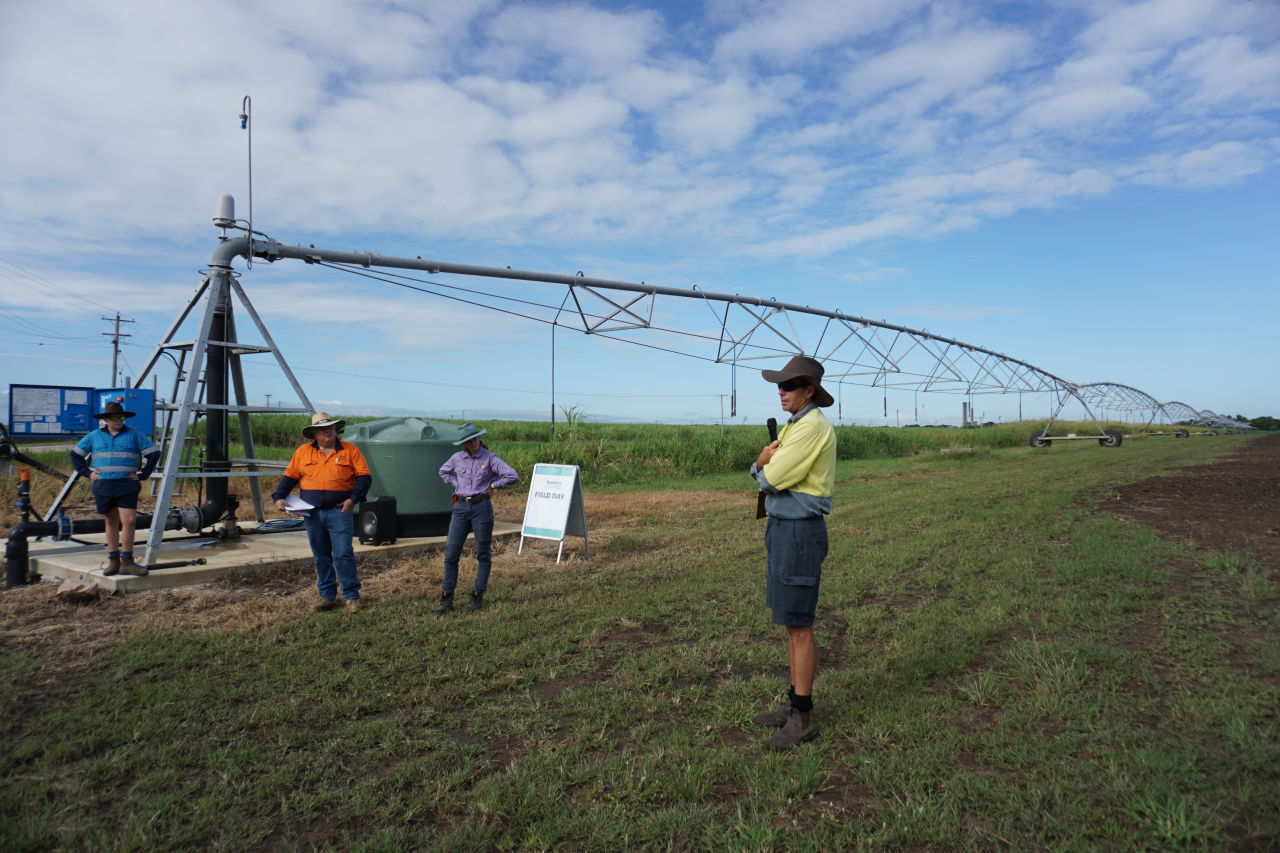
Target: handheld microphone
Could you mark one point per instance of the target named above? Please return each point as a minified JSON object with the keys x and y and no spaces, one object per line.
{"x":772,"y":424}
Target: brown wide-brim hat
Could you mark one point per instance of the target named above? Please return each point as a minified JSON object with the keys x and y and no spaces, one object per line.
{"x":802,"y":367}
{"x":320,"y":420}
{"x":113,"y":408}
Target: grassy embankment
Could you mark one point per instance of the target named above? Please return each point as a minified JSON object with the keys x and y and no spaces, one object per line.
{"x":1001,"y":665}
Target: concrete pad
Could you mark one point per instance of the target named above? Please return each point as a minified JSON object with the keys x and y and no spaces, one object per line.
{"x":221,"y":556}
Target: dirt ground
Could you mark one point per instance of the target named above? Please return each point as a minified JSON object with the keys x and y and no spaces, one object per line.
{"x":32,"y":620}
{"x":1231,"y":506}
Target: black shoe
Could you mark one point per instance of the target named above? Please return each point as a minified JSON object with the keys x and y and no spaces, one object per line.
{"x":476,"y":602}
{"x":446,"y":604}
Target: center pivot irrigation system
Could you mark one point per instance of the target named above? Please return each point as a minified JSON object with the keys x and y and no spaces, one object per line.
{"x":854,"y":350}
{"x":720,"y":328}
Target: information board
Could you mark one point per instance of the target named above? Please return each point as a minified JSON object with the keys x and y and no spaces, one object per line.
{"x":555,"y":508}
{"x":55,"y":411}
{"x":49,"y":410}
{"x":140,"y":401}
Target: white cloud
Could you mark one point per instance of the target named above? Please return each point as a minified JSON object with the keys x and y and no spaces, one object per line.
{"x":1135,"y":26}
{"x":1000,"y":187}
{"x":936,"y":68}
{"x":1216,"y":165}
{"x":816,"y":126}
{"x":720,"y":116}
{"x":1115,"y":68}
{"x":575,"y":39}
{"x":831,"y":240}
{"x":789,"y":31}
{"x":1230,"y":69}
{"x":1077,"y":110}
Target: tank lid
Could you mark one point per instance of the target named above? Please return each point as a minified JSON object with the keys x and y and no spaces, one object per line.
{"x":403,"y":430}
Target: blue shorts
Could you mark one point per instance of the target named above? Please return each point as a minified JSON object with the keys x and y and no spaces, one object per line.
{"x":116,"y":493}
{"x":796,"y":550}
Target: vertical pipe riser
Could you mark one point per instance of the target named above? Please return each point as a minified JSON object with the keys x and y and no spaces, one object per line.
{"x":16,"y":565}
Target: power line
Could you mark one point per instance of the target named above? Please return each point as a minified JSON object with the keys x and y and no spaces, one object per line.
{"x":25,"y":276}
{"x":23,"y":325}
{"x":471,"y":386}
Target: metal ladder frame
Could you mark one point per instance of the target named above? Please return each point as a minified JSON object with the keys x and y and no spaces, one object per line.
{"x":189,"y":390}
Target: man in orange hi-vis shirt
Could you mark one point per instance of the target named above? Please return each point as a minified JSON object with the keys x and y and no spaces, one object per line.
{"x":332,"y":477}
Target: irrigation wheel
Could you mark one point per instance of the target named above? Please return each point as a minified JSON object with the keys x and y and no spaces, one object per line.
{"x":1110,"y":438}
{"x":1038,"y":440}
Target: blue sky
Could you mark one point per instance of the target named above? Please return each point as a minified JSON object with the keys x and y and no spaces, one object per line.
{"x":1090,"y":187}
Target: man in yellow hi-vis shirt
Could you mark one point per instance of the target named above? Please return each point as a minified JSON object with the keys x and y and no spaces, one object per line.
{"x":797,"y":473}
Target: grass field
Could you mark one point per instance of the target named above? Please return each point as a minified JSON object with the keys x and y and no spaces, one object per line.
{"x":1000,"y":666}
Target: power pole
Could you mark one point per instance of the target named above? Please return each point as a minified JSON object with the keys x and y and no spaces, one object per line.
{"x":115,"y":345}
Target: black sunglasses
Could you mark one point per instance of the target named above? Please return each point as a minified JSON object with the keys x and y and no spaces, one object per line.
{"x":792,"y":384}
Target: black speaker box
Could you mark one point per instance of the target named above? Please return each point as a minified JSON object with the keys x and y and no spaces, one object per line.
{"x":376,"y":523}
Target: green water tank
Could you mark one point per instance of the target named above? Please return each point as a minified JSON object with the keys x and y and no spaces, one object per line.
{"x":404,"y":456}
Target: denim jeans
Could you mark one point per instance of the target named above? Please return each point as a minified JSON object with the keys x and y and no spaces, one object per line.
{"x":476,"y":518}
{"x":796,"y":549}
{"x":330,"y":532}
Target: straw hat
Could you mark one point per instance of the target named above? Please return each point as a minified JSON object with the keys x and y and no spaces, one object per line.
{"x":320,"y":420}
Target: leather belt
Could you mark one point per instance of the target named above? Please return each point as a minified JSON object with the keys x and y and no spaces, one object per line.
{"x":472,"y":499}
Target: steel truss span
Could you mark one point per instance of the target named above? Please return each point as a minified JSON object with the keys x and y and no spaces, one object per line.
{"x":729,"y":328}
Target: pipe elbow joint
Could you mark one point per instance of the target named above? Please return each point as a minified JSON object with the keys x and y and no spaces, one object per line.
{"x":189,"y":518}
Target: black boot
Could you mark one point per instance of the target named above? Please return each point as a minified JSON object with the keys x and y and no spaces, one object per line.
{"x":446,"y":604}
{"x":476,"y":602}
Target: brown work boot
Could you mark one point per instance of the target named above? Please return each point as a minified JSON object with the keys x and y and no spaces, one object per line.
{"x":323,"y":604}
{"x":800,"y":727}
{"x":113,"y":565}
{"x":446,"y":604}
{"x":353,"y":605}
{"x":129,"y":567}
{"x":775,"y":719}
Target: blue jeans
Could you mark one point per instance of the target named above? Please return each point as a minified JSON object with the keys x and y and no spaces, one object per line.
{"x":330,"y":532}
{"x":476,"y":518}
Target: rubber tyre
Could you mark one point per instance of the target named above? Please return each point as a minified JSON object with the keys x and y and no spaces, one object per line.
{"x":1111,"y":438}
{"x":1038,"y":440}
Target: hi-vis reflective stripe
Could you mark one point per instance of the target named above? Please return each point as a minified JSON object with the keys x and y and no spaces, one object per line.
{"x":116,"y":461}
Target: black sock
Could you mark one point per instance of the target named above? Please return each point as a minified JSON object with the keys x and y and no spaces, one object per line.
{"x":803,"y":704}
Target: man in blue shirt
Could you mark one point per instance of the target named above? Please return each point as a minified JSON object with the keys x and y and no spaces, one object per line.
{"x":117,"y":452}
